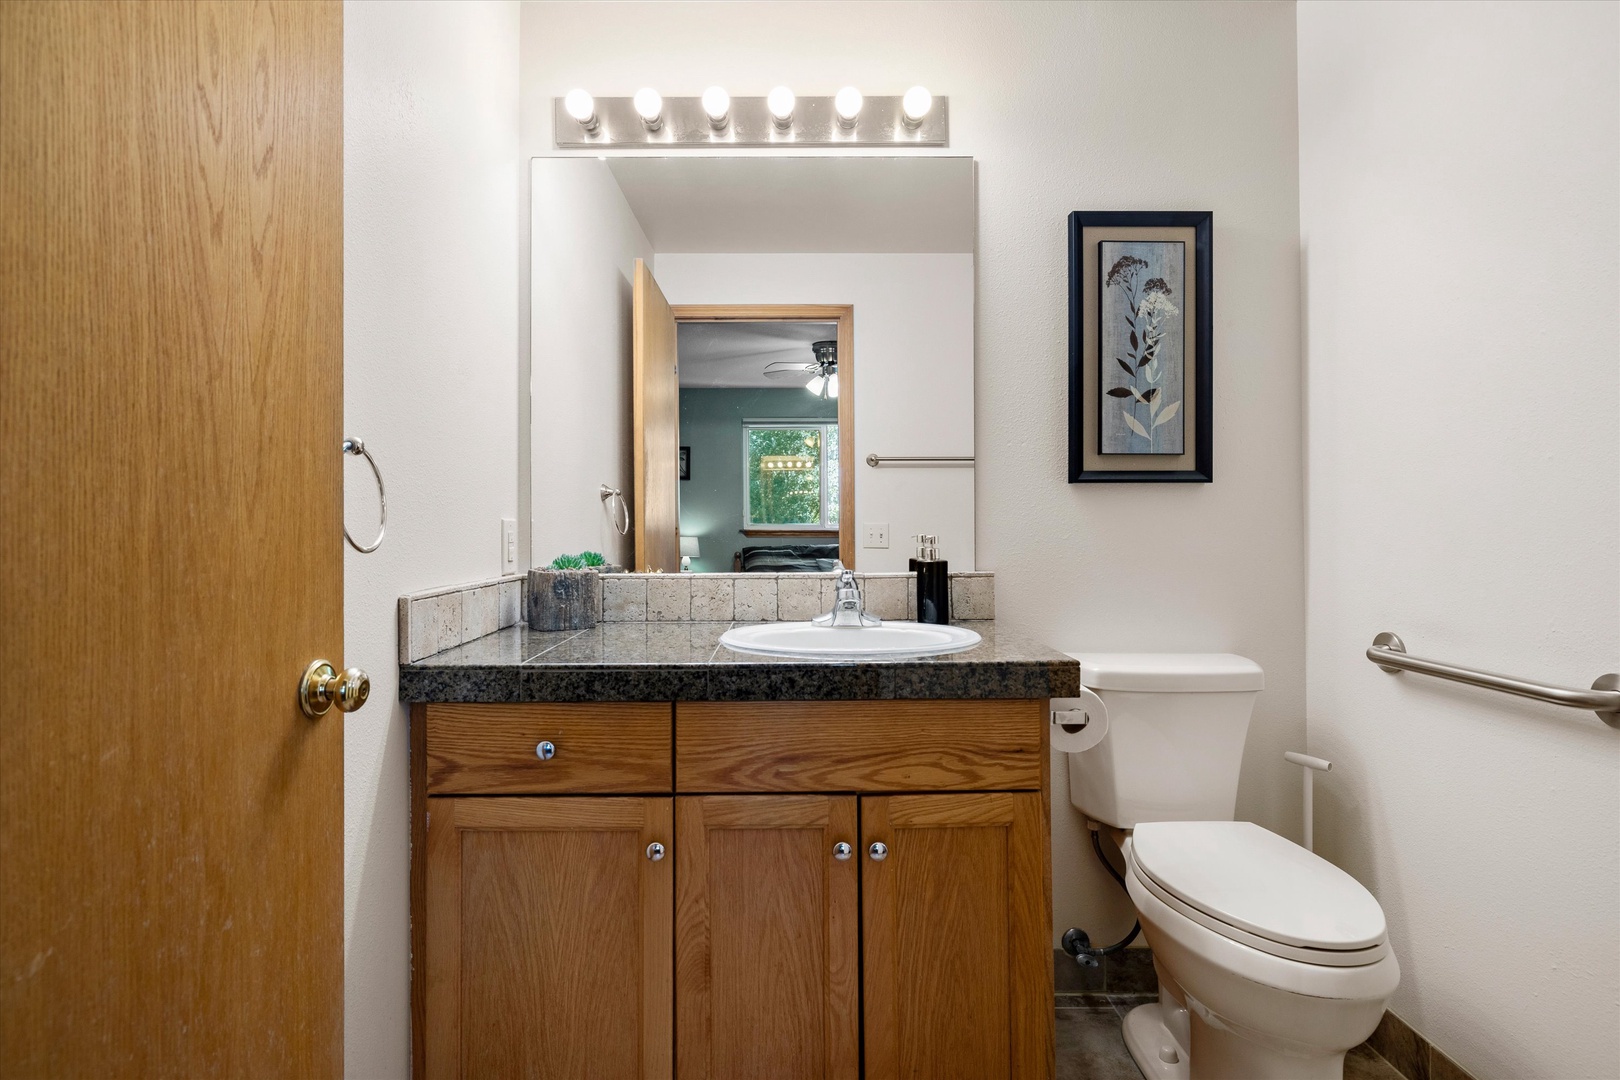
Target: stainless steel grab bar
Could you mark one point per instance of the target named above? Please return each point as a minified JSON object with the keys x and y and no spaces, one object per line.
{"x":874,"y":460}
{"x":1389,"y":653}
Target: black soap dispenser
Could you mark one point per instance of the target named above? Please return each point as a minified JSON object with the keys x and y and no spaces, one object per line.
{"x":933,"y":582}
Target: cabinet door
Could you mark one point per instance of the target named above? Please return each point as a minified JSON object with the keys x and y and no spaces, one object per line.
{"x":767,"y":950}
{"x":548,"y":937}
{"x":958,"y":957}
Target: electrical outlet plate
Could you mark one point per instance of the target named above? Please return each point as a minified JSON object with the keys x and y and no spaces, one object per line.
{"x":876,"y":535}
{"x":508,"y":545}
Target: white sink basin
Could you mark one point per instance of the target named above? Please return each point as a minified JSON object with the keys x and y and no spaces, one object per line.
{"x":892,"y":640}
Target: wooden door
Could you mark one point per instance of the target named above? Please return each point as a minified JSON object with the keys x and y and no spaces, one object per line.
{"x":767,"y":950}
{"x":548,"y":938}
{"x":171,"y":292}
{"x":656,"y":423}
{"x":958,"y":957}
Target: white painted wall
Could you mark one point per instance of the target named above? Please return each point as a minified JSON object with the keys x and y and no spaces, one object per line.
{"x":585,"y":242}
{"x":1460,"y":214}
{"x":1066,"y":108}
{"x":913,"y":375}
{"x":430,"y":383}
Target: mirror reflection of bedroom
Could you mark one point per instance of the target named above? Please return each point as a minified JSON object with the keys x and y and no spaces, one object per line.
{"x":762,"y":486}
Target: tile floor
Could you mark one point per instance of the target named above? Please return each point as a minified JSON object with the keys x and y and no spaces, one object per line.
{"x":1090,"y":1045}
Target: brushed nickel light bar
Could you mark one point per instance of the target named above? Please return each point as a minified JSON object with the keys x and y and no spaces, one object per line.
{"x":715,"y":120}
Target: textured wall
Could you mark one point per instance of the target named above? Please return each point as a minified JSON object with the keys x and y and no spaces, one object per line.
{"x":1460,"y":165}
{"x":1094,"y":106}
{"x":430,"y":382}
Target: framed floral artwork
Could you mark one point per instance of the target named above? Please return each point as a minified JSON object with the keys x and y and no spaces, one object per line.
{"x":1140,"y":348}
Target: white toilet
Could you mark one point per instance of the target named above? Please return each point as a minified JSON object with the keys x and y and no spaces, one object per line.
{"x":1272,"y":962}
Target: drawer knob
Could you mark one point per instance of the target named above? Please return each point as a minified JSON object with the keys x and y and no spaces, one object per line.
{"x":842,"y":851}
{"x":879,"y":851}
{"x":655,"y":851}
{"x":546,"y":750}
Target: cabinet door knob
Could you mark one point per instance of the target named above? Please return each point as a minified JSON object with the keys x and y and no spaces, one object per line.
{"x":879,"y":851}
{"x":842,"y":851}
{"x":655,"y":851}
{"x":546,"y":750}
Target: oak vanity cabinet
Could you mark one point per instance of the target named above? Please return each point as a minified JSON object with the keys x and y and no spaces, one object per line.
{"x":843,"y":889}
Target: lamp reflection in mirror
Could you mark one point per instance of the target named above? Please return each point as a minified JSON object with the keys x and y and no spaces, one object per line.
{"x":689,"y":551}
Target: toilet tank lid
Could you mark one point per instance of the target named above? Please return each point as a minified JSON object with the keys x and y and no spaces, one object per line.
{"x":1173,"y":673}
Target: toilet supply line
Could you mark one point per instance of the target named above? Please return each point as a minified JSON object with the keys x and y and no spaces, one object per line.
{"x":1312,"y":766}
{"x":1076,"y":942}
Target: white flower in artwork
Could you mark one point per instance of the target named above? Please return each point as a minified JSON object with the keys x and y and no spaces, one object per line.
{"x":1155,"y":306}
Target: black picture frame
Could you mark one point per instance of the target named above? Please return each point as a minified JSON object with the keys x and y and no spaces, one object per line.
{"x":686,"y":463}
{"x":1082,"y":416}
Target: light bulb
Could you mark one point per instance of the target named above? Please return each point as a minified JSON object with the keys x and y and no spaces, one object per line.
{"x":582,"y":107}
{"x":848,"y":103}
{"x":915,"y":105}
{"x":717,"y":103}
{"x":650,"y":106}
{"x":815,"y":384}
{"x":780,"y":102}
{"x":832,"y":385}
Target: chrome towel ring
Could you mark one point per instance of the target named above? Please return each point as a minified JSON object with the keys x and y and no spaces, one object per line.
{"x":621,"y":520}
{"x":358,"y":448}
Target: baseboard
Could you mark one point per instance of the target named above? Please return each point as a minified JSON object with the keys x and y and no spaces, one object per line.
{"x":1410,"y":1054}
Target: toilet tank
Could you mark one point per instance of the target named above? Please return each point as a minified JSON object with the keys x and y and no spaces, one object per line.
{"x":1174,"y":747}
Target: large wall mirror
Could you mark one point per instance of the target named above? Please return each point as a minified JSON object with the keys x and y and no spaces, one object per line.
{"x":726,"y":341}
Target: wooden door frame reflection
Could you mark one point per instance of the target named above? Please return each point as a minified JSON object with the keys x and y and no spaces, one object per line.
{"x":844,"y":316}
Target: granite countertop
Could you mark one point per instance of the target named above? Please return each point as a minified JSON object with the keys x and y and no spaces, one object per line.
{"x":684,"y":661}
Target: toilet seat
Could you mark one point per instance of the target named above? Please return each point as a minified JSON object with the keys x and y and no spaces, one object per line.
{"x":1257,"y":888}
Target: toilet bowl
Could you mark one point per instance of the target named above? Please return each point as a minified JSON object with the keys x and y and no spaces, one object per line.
{"x":1272,"y":962}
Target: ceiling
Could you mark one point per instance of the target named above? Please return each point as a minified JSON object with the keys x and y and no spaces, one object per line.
{"x":759,"y":204}
{"x":736,"y":354}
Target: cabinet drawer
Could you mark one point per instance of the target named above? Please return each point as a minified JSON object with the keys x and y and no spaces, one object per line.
{"x":491,"y":749}
{"x":860,"y":746}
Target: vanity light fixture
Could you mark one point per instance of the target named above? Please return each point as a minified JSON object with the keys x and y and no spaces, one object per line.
{"x":847,"y":102}
{"x":720,"y":118}
{"x":650,"y":107}
{"x":780,"y":102}
{"x":582,"y":107}
{"x":717,"y":104}
{"x":915,"y":105}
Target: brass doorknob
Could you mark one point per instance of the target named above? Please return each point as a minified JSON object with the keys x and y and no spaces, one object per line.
{"x":322,"y":687}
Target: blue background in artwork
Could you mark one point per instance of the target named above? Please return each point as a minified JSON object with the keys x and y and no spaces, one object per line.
{"x":1166,"y":259}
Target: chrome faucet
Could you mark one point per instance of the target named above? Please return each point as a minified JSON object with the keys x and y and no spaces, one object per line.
{"x":848,"y":608}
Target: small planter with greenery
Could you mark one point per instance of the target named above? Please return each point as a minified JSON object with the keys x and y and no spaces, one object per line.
{"x":567,"y":595}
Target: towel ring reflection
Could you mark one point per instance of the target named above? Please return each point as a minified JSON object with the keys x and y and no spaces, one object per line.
{"x":608,"y":495}
{"x":358,"y":448}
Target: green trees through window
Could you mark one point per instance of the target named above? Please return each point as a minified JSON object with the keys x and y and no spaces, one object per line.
{"x":790,"y":474}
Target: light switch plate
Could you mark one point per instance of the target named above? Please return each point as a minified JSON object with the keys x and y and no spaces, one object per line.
{"x":508,"y":545}
{"x":876,"y":535}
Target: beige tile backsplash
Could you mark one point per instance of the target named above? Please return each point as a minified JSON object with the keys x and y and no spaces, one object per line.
{"x":439,"y":619}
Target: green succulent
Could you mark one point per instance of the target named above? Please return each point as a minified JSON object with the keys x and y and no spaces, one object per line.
{"x":567,"y":562}
{"x":591,"y":558}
